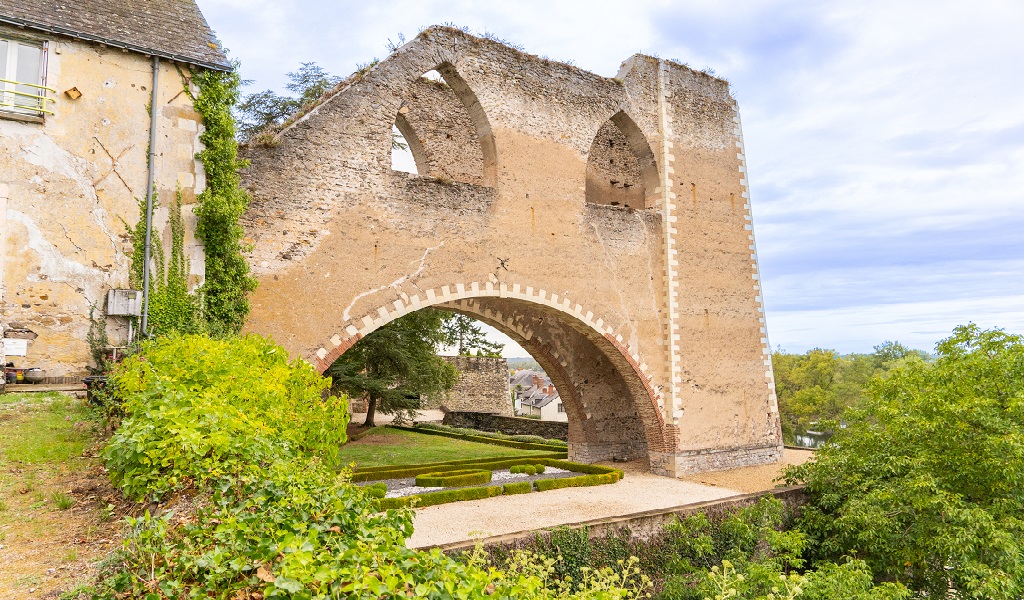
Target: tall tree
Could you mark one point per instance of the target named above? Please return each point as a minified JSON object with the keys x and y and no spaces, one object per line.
{"x":924,"y":484}
{"x":466,"y":335}
{"x":264,"y":109}
{"x":396,"y":365}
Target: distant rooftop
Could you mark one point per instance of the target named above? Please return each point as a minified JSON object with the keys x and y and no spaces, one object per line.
{"x":172,"y":29}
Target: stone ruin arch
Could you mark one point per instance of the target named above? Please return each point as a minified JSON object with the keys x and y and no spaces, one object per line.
{"x":649,"y":317}
{"x":614,"y":410}
{"x":621,"y":169}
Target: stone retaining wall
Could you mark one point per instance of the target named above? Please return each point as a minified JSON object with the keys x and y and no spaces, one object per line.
{"x":642,"y":525}
{"x":552,"y":430}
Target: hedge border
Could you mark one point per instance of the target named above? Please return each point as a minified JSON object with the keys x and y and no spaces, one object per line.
{"x":595,"y":475}
{"x":482,"y":440}
{"x":562,"y":444}
{"x":403,"y":471}
{"x":441,"y":497}
{"x":454,"y":478}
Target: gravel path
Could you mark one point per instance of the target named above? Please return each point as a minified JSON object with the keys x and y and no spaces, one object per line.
{"x":459,"y":521}
{"x":638,"y":492}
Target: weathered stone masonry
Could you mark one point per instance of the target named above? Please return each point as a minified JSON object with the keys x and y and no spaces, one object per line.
{"x":482,"y":386}
{"x":604,"y":224}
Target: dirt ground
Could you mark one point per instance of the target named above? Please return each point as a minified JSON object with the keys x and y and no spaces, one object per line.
{"x":46,"y":550}
{"x":753,"y":479}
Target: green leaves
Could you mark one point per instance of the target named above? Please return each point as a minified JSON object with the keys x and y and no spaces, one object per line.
{"x":925,"y":482}
{"x":197,"y":409}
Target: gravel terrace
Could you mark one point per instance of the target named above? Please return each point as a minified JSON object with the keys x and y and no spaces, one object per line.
{"x":639,"y":491}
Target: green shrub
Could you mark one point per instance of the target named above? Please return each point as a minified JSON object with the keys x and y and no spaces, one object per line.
{"x":403,"y":471}
{"x":440,"y":497}
{"x":453,"y":478}
{"x":197,"y":408}
{"x":533,"y":439}
{"x":519,"y":487}
{"x":544,"y":485}
{"x":476,"y":437}
{"x":539,"y":468}
{"x":376,"y":490}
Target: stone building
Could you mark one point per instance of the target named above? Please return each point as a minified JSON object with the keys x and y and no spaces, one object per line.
{"x":482,"y":386}
{"x":74,"y":135}
{"x":637,"y":287}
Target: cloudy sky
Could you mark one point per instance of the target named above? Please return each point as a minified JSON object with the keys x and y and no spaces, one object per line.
{"x":885,"y":139}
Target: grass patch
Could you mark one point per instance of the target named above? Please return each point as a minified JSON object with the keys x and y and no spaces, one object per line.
{"x":43,"y":428}
{"x":387,"y":446}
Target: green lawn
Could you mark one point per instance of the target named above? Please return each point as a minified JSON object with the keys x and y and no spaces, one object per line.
{"x":43,"y":428}
{"x":384,"y":446}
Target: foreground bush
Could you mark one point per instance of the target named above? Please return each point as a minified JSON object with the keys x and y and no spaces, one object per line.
{"x":925,"y":483}
{"x":249,"y":440}
{"x":197,"y":408}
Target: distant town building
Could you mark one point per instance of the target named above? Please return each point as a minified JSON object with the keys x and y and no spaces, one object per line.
{"x":535,"y":396}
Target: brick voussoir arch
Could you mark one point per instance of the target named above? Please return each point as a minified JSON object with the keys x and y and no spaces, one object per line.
{"x":356,"y":329}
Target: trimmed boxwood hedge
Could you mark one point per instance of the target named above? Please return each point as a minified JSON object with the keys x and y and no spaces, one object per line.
{"x":454,"y":478}
{"x":403,"y":471}
{"x":482,"y":440}
{"x":544,"y":485}
{"x":519,"y":487}
{"x":441,"y":497}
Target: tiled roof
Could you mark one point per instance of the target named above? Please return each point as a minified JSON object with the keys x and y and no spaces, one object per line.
{"x":173,"y":29}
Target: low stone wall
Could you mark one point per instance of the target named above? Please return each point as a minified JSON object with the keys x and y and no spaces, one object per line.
{"x":552,"y":430}
{"x":642,"y":525}
{"x":482,"y":386}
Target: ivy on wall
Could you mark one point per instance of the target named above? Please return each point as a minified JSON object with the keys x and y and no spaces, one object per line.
{"x":171,"y":306}
{"x":228,"y":282}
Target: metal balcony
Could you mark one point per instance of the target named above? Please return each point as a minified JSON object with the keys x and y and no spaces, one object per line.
{"x":33,"y":102}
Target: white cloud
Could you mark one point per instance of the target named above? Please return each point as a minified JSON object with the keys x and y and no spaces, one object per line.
{"x":885,"y":140}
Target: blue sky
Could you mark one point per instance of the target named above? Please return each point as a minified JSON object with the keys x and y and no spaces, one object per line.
{"x":885,"y":140}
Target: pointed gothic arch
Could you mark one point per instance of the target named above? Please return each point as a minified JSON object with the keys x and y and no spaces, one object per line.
{"x":621,"y":168}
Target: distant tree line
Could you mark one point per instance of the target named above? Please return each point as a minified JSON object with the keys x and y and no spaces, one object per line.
{"x":817,"y":387}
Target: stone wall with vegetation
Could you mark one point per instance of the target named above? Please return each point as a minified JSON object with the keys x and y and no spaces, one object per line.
{"x":482,"y":386}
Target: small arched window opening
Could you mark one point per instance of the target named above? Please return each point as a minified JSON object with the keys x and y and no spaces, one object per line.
{"x":621,"y":170}
{"x":440,"y":131}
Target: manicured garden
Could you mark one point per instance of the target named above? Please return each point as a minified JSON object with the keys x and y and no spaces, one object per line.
{"x":394,"y":446}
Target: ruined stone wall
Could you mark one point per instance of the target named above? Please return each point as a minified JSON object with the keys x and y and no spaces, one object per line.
{"x":613,"y":171}
{"x":648,"y":320}
{"x":440,"y":133}
{"x":73,"y":181}
{"x":482,"y":386}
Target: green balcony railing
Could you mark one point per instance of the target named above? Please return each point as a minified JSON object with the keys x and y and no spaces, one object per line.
{"x":34,"y":101}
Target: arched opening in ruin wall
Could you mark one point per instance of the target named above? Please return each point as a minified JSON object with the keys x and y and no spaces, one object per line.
{"x":614,"y":411}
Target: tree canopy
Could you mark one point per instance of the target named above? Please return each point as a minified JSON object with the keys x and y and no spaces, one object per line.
{"x":925,"y":482}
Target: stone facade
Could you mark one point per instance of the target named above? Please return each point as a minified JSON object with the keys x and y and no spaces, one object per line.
{"x":482,"y":386}
{"x":71,"y":181}
{"x":602,"y":223}
{"x":552,"y":430}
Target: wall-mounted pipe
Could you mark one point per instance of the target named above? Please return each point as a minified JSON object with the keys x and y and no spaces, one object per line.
{"x":149,"y":198}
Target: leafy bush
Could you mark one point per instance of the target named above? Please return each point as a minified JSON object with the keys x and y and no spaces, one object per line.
{"x":197,"y":408}
{"x":376,"y":490}
{"x":540,"y":468}
{"x":454,"y":478}
{"x":402,"y":471}
{"x":924,"y":485}
{"x":270,"y":516}
{"x":525,"y":469}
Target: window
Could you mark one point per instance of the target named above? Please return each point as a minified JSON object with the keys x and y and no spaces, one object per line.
{"x":23,"y":78}
{"x":561,"y":407}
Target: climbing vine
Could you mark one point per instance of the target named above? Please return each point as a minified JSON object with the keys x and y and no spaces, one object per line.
{"x":221,"y":204}
{"x":171,"y":306}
